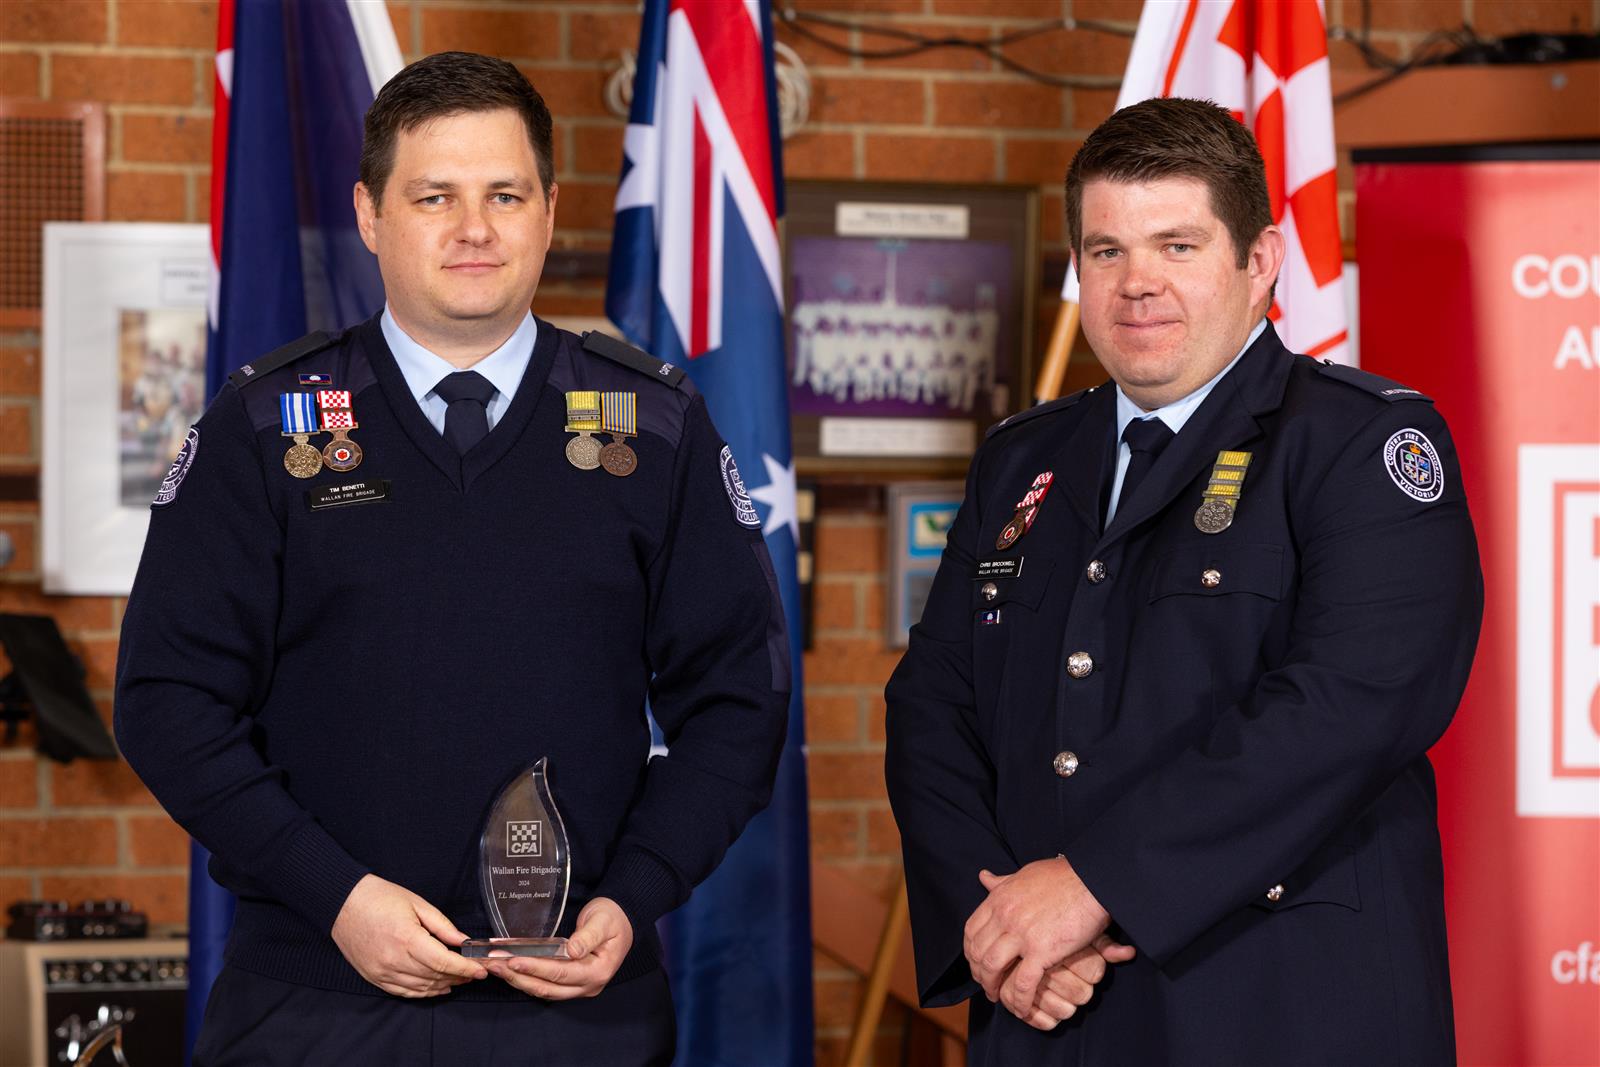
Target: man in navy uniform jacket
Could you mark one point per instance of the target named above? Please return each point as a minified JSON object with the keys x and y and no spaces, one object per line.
{"x":1163,"y":723}
{"x":332,"y":661}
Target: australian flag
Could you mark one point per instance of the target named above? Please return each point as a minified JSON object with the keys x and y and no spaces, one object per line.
{"x":695,"y":280}
{"x":293,"y":80}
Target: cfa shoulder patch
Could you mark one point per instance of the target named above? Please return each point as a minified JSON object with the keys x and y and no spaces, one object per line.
{"x":1038,"y":409}
{"x":1370,"y":383}
{"x":743,"y":509}
{"x":1413,"y":465}
{"x":180,"y":467}
{"x":283,"y":356}
{"x":609,"y":347}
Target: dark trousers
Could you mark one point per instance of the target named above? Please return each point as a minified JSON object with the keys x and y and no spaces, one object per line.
{"x":253,"y":1021}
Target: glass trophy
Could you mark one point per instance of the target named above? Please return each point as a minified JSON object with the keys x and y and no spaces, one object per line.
{"x":523,"y":871}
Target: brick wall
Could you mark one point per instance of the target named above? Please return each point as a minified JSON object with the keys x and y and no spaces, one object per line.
{"x":90,"y":829}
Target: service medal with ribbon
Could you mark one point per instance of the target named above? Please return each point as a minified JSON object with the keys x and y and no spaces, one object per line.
{"x":298,"y":415}
{"x":1027,"y":510}
{"x":619,"y":416}
{"x":583,"y":419}
{"x":341,"y":453}
{"x":1223,"y":492}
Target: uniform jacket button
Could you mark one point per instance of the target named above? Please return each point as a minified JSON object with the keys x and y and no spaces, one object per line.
{"x":989,"y":590}
{"x":1080,"y":664}
{"x":1095,"y":572}
{"x":1066,"y":764}
{"x":1210,"y":577}
{"x":1275,"y":894}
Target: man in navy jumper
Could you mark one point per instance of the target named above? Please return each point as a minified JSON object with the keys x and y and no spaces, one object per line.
{"x":330,"y":666}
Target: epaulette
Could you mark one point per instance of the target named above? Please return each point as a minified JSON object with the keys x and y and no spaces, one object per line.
{"x":1370,"y":383}
{"x":616,"y":351}
{"x":283,"y":356}
{"x":1038,"y":409}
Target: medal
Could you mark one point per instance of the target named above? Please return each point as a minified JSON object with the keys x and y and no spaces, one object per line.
{"x":1027,"y":510}
{"x":341,"y":453}
{"x":298,"y":417}
{"x":1223,"y":492}
{"x":619,"y":416}
{"x":583,"y":418}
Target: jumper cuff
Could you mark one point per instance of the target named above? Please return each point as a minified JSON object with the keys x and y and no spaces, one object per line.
{"x":644,"y":886}
{"x":314,"y":875}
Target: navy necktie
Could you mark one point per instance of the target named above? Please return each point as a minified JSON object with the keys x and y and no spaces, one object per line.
{"x":466,"y":420}
{"x":1146,"y":439}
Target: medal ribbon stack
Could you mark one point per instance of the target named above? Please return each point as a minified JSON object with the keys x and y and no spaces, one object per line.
{"x":298,"y":416}
{"x":619,"y":416}
{"x":1223,"y":492}
{"x":583,"y":419}
{"x":341,"y":453}
{"x":1027,"y":511}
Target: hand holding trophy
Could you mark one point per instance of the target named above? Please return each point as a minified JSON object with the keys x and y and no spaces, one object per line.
{"x":524,"y":870}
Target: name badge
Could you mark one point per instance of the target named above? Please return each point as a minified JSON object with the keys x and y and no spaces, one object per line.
{"x":998,"y":567}
{"x":333,"y":496}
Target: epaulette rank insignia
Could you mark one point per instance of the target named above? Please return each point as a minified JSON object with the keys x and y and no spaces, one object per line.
{"x":1368,"y":382}
{"x":621,"y":352}
{"x":1048,"y":406}
{"x":283,"y":356}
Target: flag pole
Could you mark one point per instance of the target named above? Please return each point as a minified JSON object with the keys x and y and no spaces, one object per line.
{"x":1054,"y":370}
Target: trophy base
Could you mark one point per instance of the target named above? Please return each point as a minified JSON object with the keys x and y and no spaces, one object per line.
{"x":483,"y":948}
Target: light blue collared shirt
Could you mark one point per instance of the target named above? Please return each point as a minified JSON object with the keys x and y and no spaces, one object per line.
{"x":1174,"y":415}
{"x":423,"y":370}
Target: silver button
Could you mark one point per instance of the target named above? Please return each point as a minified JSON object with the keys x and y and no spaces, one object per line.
{"x":989,"y":590}
{"x":1080,"y":664}
{"x":1066,"y":764}
{"x":1210,"y":577}
{"x":1275,"y":894}
{"x":1095,"y":572}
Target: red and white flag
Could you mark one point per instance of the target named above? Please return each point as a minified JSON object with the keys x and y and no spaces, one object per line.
{"x":1267,"y":62}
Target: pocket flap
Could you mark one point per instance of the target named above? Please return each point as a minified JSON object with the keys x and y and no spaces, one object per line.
{"x":1025,"y":588}
{"x":1217,"y":570}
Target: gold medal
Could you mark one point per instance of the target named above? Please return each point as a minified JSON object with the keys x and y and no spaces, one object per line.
{"x":1223,"y":492}
{"x":617,"y":458}
{"x":302,"y":460}
{"x":584,"y":451}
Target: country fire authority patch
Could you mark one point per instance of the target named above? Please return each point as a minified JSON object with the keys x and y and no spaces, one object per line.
{"x":523,"y":837}
{"x":743,"y":509}
{"x":180,"y":467}
{"x":1413,"y":464}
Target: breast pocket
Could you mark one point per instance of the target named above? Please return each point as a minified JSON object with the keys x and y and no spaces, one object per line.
{"x":1205,"y":570}
{"x":1001,"y":608}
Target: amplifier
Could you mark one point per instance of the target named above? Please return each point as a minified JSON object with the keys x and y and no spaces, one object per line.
{"x":55,"y":996}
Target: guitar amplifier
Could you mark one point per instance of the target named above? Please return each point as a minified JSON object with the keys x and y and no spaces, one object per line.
{"x":56,"y":995}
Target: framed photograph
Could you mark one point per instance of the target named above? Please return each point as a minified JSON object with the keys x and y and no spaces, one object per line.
{"x":124,"y":379}
{"x":909,"y":309}
{"x":920,"y":516}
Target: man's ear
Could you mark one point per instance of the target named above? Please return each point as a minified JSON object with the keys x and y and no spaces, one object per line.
{"x":1264,"y":263}
{"x":366,"y":217}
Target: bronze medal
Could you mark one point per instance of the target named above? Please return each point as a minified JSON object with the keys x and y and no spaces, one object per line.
{"x":617,"y":458}
{"x":1016,"y":527}
{"x":341,"y":453}
{"x":583,"y":452}
{"x":302,"y":460}
{"x":1214,"y":516}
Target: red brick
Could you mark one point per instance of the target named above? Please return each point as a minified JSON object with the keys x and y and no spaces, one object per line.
{"x":98,"y":783}
{"x":58,"y":842}
{"x":1408,"y":15}
{"x":570,"y":93}
{"x":951,"y":57}
{"x":1037,"y":160}
{"x":881,"y":101}
{"x":146,"y":196}
{"x":202,"y":197}
{"x":601,"y":35}
{"x":850,"y":661}
{"x":885,"y":7}
{"x":836,"y":832}
{"x":1344,"y":55}
{"x":123,"y":79}
{"x":820,"y":155}
{"x":19,"y":371}
{"x":879,"y":876}
{"x":832,"y":717}
{"x":60,"y":21}
{"x":19,"y":782}
{"x":19,"y":74}
{"x":997,"y":104}
{"x":586,"y":205}
{"x":166,"y":138}
{"x":816,"y":55}
{"x":496,"y":32}
{"x":157,"y":842}
{"x":162,"y":897}
{"x":883,"y":836}
{"x":876,"y":712}
{"x":597,"y":150}
{"x":16,"y":887}
{"x":1108,"y":10}
{"x":846,"y":775}
{"x":1091,"y":107}
{"x":834,"y":607}
{"x":1027,"y":9}
{"x":99,"y":658}
{"x":886,"y":1050}
{"x":849,"y":549}
{"x":24,"y":534}
{"x":1527,"y":16}
{"x":1053,"y":217}
{"x":950,"y":159}
{"x":555,"y":300}
{"x":872,"y":607}
{"x":175,"y":23}
{"x":16,"y":432}
{"x":72,"y":613}
{"x":1072,"y":52}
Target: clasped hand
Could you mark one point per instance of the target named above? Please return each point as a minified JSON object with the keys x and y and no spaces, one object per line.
{"x":1037,"y":943}
{"x":398,"y":941}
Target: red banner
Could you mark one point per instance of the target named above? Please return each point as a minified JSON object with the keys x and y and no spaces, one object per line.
{"x":1480,"y":286}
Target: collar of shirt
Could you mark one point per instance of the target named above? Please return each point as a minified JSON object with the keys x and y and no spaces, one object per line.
{"x":422,"y":369}
{"x":1174,"y":415}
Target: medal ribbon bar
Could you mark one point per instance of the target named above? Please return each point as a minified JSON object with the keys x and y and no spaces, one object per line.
{"x":583,"y":410}
{"x":1227,"y":477}
{"x":619,"y":413}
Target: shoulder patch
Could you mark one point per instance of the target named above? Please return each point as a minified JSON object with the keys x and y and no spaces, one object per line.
{"x":1021,"y":417}
{"x":180,"y":467}
{"x":1413,"y":465}
{"x":1370,"y":383}
{"x":609,"y":347}
{"x":282,"y":357}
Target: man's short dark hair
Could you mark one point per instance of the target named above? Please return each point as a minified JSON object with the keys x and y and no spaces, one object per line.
{"x":444,"y":84}
{"x":1175,"y":138}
